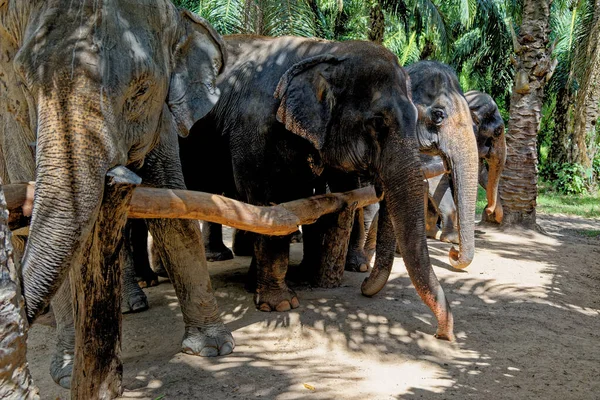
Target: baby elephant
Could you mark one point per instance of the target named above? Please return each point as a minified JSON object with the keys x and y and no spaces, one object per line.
{"x":488,"y":127}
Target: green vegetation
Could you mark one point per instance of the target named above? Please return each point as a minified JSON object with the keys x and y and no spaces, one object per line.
{"x":477,"y":38}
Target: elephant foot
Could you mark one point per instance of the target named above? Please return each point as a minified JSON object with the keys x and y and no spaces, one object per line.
{"x":357,"y":262}
{"x":61,"y":368}
{"x":134,"y":302}
{"x":447,"y":336}
{"x":209,"y":341}
{"x":280,"y":300}
{"x":449,"y":237}
{"x":145,"y":283}
{"x":218,"y":254}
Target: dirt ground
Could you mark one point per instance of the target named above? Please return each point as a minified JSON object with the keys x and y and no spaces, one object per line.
{"x":527,"y":318}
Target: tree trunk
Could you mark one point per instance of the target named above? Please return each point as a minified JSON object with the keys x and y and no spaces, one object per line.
{"x":96,"y":288}
{"x":533,"y":67}
{"x":15,"y":380}
{"x":587,"y":102}
{"x":376,"y":23}
{"x":577,"y":111}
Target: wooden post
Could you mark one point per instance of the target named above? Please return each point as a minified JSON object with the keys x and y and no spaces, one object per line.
{"x":334,"y":239}
{"x":15,"y":379}
{"x":96,"y":288}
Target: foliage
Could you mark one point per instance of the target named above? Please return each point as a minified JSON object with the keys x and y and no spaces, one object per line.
{"x":473,"y":36}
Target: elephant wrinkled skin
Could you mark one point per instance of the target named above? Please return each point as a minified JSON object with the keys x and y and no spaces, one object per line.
{"x":105,"y":84}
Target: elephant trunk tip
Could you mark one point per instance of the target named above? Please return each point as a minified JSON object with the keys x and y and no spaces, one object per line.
{"x":375,"y":282}
{"x":459,"y":260}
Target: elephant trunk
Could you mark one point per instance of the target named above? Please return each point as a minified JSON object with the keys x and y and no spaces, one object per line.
{"x":496,"y":161}
{"x":459,"y":148}
{"x":402,"y":212}
{"x":72,"y":160}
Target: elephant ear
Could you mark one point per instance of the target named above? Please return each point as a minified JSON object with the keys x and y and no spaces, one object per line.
{"x":198,"y":58}
{"x":307,"y":98}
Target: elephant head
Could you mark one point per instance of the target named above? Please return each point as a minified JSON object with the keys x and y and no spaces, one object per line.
{"x":491,"y":144}
{"x":105,"y":79}
{"x":445,"y":128}
{"x":354,"y":105}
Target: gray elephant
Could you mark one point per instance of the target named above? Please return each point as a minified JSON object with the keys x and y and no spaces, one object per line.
{"x":445,"y":127}
{"x":294,"y":109}
{"x":488,"y":127}
{"x":106,"y":84}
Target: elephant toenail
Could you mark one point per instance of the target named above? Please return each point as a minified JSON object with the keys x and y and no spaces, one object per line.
{"x":283,"y":306}
{"x":264,"y":307}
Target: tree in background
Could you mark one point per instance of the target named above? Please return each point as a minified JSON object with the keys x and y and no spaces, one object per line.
{"x":533,"y":67}
{"x":573,"y":107}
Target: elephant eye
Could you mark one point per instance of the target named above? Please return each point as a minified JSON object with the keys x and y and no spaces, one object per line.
{"x":437,"y":116}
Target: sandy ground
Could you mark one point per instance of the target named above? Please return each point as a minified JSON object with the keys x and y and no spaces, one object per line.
{"x":527,"y":318}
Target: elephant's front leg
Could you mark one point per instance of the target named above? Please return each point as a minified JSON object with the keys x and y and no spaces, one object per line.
{"x":179,"y":244}
{"x":272,"y":255}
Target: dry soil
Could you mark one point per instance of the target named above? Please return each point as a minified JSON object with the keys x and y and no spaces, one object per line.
{"x":527,"y":318}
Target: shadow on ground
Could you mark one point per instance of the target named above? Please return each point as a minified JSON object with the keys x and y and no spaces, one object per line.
{"x":526,"y":317}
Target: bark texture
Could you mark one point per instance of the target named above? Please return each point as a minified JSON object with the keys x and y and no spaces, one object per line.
{"x":15,"y":380}
{"x":281,"y":219}
{"x":578,"y":110}
{"x":534,"y":66}
{"x":587,"y":102}
{"x":96,"y":287}
{"x":376,"y":23}
{"x":330,"y":268}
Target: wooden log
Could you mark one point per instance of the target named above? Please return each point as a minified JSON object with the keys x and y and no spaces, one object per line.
{"x":334,"y":239}
{"x":279,"y":220}
{"x":15,"y":379}
{"x":96,"y":288}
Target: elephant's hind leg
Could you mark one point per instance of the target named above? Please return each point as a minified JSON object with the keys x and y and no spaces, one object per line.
{"x":272,"y":255}
{"x":61,"y":365}
{"x":212,"y":235}
{"x":133,"y":298}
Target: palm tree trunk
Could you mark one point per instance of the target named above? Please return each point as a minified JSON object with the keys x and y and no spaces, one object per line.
{"x":533,"y":66}
{"x":376,"y":22}
{"x":587,"y":101}
{"x":15,"y":379}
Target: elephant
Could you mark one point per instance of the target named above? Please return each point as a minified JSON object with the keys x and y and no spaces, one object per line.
{"x":446,"y":124}
{"x":102,"y":85}
{"x":488,"y":127}
{"x":294,"y":109}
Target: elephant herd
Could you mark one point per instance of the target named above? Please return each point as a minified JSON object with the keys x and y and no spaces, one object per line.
{"x":97,"y":85}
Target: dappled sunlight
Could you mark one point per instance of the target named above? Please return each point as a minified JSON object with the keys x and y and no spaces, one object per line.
{"x":526,"y":321}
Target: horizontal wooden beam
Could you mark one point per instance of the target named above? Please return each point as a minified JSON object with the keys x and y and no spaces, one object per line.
{"x":281,"y":219}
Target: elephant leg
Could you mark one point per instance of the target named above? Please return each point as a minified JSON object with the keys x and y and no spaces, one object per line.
{"x":243,"y":243}
{"x":272,"y":255}
{"x":432,"y":217}
{"x":133,"y":298}
{"x":440,"y":191}
{"x":357,"y":260}
{"x":448,"y":214}
{"x":212,"y":235}
{"x":144,"y":274}
{"x":179,"y":244}
{"x":156,"y":263}
{"x":61,"y":364}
